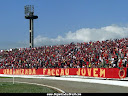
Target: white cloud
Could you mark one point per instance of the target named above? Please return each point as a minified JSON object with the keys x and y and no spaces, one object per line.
{"x":81,"y":35}
{"x":85,"y":35}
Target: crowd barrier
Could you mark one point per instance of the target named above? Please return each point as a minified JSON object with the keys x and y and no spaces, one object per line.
{"x":91,"y":72}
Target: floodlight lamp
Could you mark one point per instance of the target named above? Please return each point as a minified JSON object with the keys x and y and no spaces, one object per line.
{"x":33,"y":8}
{"x":30,"y":8}
{"x":25,"y":10}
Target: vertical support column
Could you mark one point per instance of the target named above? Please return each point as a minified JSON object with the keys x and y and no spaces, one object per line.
{"x":32,"y":33}
{"x":31,"y":42}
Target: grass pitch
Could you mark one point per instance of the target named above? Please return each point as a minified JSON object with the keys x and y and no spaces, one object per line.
{"x":8,"y":87}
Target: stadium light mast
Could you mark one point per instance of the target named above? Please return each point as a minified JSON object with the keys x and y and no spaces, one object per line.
{"x":29,"y":14}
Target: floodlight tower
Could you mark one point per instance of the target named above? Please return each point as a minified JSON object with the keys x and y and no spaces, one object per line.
{"x":29,"y":14}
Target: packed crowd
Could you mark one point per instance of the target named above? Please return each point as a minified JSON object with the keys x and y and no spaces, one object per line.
{"x":104,"y":54}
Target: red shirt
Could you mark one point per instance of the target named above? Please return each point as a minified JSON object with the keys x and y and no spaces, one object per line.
{"x":120,"y":63}
{"x":87,"y":63}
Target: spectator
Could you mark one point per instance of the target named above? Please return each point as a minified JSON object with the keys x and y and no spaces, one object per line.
{"x":108,"y":53}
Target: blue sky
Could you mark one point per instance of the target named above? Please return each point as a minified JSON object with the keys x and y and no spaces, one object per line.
{"x":59,"y":20}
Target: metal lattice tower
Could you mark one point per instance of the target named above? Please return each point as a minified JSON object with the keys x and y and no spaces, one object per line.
{"x":29,"y":14}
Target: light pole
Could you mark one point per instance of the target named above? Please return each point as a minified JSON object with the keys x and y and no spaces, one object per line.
{"x":29,"y":14}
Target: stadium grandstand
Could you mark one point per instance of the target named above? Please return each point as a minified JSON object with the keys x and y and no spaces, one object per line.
{"x":98,"y":54}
